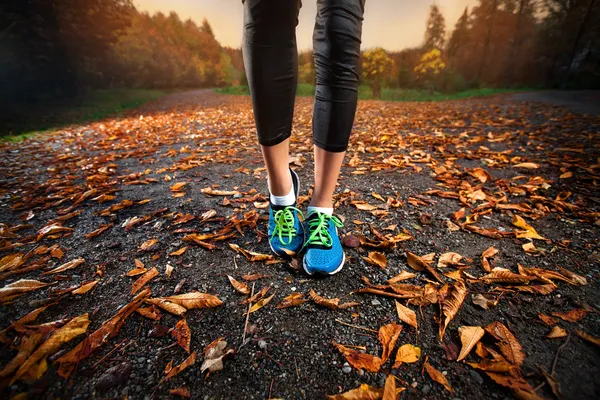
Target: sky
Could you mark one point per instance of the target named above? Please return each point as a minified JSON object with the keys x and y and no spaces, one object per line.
{"x":391,"y":24}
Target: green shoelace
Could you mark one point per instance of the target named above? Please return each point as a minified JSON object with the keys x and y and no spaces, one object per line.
{"x":284,"y":225}
{"x":319,"y":229}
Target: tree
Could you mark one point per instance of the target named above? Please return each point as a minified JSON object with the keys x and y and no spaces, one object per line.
{"x":460,"y":35}
{"x":435,"y":33}
{"x":376,"y":66}
{"x":206,"y":28}
{"x":430,"y":67}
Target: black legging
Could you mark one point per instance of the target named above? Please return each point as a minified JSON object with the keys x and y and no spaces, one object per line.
{"x":271,"y":62}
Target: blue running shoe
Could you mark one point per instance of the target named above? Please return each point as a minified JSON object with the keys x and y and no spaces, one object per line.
{"x":324,"y":253}
{"x":286,"y":233}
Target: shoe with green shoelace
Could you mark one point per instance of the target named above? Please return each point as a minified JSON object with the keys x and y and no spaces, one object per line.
{"x":324,"y":254}
{"x":286,"y":232}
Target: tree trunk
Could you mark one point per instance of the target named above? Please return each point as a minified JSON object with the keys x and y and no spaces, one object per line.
{"x":488,"y":38}
{"x":377,"y":90}
{"x":576,"y":43}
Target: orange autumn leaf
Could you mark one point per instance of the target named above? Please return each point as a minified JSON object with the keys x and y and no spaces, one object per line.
{"x":359,"y":360}
{"x":142,"y":280}
{"x":437,"y":376}
{"x":388,"y":335}
{"x":406,"y":315}
{"x":469,"y":337}
{"x":294,"y":299}
{"x":239,"y":286}
{"x":332,"y":304}
{"x":509,"y":345}
{"x":181,"y":367}
{"x":182,"y":334}
{"x":376,"y":258}
{"x":571,"y":316}
{"x":451,"y":304}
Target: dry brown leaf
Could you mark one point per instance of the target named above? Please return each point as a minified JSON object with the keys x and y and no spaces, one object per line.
{"x":182,"y":334}
{"x":168,"y":306}
{"x":21,"y":286}
{"x":402,"y":276}
{"x":422,"y":264}
{"x":26,"y":347}
{"x":571,"y":316}
{"x":573,"y":277}
{"x":66,"y":266}
{"x":527,"y":165}
{"x":11,"y":261}
{"x":437,"y":376}
{"x":388,"y":335}
{"x":214,"y":354}
{"x":108,"y":329}
{"x":332,"y":304}
{"x":178,"y":187}
{"x":556,"y":332}
{"x":149,"y":312}
{"x":195,"y":300}
{"x":239,"y":286}
{"x":294,"y":299}
{"x":142,"y":280}
{"x":503,"y":275}
{"x":588,"y":337}
{"x":363,"y":392}
{"x":450,"y":259}
{"x":212,"y":192}
{"x":389,"y":390}
{"x":359,"y":360}
{"x":75,"y":327}
{"x":181,"y":392}
{"x":179,"y":252}
{"x":251,"y":255}
{"x":451,"y":304}
{"x":407,"y":353}
{"x":260,"y":304}
{"x":148,"y":245}
{"x":486,"y":255}
{"x":136,"y":271}
{"x":528,"y":233}
{"x":86,"y":287}
{"x":484,"y":301}
{"x":406,"y":315}
{"x":548,"y":320}
{"x":469,"y":337}
{"x":509,"y":345}
{"x":376,"y":258}
{"x":177,"y":369}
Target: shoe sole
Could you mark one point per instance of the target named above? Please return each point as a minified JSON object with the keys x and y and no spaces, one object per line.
{"x":335,"y":271}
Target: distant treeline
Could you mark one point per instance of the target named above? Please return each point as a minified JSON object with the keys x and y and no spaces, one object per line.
{"x":58,"y":48}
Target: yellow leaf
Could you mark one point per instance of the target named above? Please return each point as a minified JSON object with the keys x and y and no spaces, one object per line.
{"x":469,"y":336}
{"x":407,"y":353}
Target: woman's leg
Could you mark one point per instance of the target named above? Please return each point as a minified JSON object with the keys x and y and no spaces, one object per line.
{"x":336,"y":45}
{"x":271,"y":62}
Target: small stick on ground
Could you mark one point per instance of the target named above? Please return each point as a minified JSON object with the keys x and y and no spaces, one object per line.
{"x":247,"y":318}
{"x":296,"y":364}
{"x":557,"y":353}
{"x":271,"y":387}
{"x":355,"y":326}
{"x":109,"y":353}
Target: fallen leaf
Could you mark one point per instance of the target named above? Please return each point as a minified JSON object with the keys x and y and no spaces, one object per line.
{"x":437,"y":376}
{"x":407,"y":353}
{"x":389,"y":390}
{"x":529,"y":232}
{"x":359,"y":360}
{"x":451,"y":304}
{"x":26,"y":347}
{"x":260,"y":304}
{"x":588,"y":337}
{"x":75,"y":327}
{"x":450,"y":259}
{"x":168,"y":306}
{"x":363,"y":392}
{"x":181,"y":392}
{"x":179,"y":368}
{"x":20,"y":287}
{"x":388,"y":335}
{"x":179,"y":252}
{"x":484,"y":301}
{"x":548,"y":320}
{"x":239,"y":286}
{"x":195,"y":300}
{"x":571,"y":316}
{"x":251,"y":255}
{"x":142,"y":280}
{"x":503,"y":275}
{"x":107,"y":330}
{"x":486,"y":255}
{"x":509,"y":345}
{"x":402,"y":276}
{"x":66,"y":266}
{"x":294,"y":299}
{"x":182,"y":334}
{"x":556,"y":332}
{"x":406,"y":315}
{"x":376,"y":258}
{"x":332,"y":304}
{"x":212,"y":192}
{"x":214,"y":354}
{"x":469,"y":336}
{"x":148,"y":245}
{"x":527,"y":165}
{"x":422,"y":263}
{"x":86,"y":287}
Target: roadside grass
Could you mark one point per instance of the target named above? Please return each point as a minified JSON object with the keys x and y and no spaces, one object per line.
{"x":389,"y":94}
{"x":96,"y":105}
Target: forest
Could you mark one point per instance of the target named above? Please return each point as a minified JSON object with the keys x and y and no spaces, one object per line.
{"x":53,"y":49}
